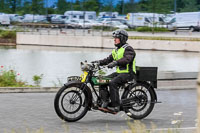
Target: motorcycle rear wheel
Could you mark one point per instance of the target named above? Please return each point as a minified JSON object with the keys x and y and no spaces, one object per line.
{"x":143,"y":101}
{"x":71,"y":103}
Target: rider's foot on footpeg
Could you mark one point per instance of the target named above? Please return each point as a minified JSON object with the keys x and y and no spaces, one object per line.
{"x":107,"y":110}
{"x":104,"y":104}
{"x":114,"y":109}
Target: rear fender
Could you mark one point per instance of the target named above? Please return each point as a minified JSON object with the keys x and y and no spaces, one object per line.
{"x":85,"y":89}
{"x":150,"y":87}
{"x":126,"y":90}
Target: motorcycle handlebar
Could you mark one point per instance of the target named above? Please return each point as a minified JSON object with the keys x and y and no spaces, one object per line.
{"x":98,"y":65}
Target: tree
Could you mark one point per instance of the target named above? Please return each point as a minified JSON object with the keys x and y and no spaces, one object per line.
{"x":120,"y":7}
{"x":78,"y":5}
{"x":142,"y":6}
{"x":26,"y":8}
{"x":130,"y":6}
{"x":198,"y":4}
{"x":108,"y":6}
{"x":14,"y":5}
{"x":2,"y":5}
{"x":37,"y":7}
{"x":162,"y":6}
{"x":91,"y":5}
{"x":188,"y":6}
{"x":180,"y":5}
{"x":61,"y":6}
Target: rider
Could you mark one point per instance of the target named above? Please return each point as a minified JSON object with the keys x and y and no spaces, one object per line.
{"x":123,"y":56}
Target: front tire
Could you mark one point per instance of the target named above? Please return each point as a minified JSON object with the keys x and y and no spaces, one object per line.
{"x":143,"y":100}
{"x":71,"y":103}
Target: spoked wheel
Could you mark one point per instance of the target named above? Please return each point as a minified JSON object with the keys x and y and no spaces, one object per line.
{"x":71,"y":103}
{"x":142,"y":100}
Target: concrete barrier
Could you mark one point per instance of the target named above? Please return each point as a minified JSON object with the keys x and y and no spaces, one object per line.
{"x":162,"y":85}
{"x":103,"y":42}
{"x":166,"y":81}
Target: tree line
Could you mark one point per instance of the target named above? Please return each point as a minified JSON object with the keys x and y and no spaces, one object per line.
{"x":60,"y":6}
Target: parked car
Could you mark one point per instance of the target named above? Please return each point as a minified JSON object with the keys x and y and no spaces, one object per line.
{"x":123,"y":21}
{"x":59,"y":19}
{"x":116,"y":24}
{"x":85,"y":24}
{"x":96,"y":23}
{"x":72,"y":23}
{"x":29,"y":18}
{"x":16,"y":18}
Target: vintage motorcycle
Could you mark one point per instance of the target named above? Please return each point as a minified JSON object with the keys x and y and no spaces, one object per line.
{"x":81,"y":93}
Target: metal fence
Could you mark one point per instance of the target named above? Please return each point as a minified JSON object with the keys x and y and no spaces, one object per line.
{"x":63,"y":31}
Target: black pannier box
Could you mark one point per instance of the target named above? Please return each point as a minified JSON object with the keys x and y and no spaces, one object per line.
{"x":147,"y":74}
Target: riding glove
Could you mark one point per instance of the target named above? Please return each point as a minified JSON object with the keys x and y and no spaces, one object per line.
{"x":112,"y":64}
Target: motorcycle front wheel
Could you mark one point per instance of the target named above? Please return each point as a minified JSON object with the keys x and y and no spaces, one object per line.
{"x":141,"y":102}
{"x":71,"y":103}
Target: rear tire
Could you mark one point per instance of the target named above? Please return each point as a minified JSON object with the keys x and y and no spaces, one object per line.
{"x":143,"y":103}
{"x":71,"y":103}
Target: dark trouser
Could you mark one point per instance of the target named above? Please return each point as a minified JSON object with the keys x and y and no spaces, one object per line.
{"x":118,"y":80}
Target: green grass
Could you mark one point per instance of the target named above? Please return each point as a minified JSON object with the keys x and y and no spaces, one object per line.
{"x":150,"y":29}
{"x":164,"y":38}
{"x":103,"y":28}
{"x":7,"y":34}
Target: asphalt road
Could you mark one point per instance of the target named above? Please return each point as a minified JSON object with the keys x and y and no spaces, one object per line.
{"x":29,"y":112}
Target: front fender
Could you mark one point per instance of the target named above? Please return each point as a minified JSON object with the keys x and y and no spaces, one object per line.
{"x":85,"y":89}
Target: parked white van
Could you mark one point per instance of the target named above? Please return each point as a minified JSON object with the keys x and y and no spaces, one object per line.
{"x":4,"y":19}
{"x":145,"y":19}
{"x":108,"y":15}
{"x":80,"y":15}
{"x":186,"y":20}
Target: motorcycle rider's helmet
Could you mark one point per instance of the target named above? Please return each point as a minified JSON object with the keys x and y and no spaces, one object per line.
{"x":121,"y":34}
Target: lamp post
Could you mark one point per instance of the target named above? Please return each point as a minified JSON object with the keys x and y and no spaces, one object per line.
{"x":198,"y":104}
{"x":153,"y":16}
{"x":47,"y":9}
{"x":122,"y":6}
{"x":174,"y":6}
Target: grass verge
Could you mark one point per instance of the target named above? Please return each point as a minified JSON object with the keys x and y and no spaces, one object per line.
{"x":164,"y":38}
